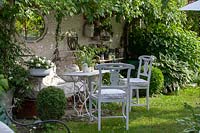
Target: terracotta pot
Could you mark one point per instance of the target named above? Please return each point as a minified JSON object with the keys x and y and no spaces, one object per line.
{"x":27,"y":110}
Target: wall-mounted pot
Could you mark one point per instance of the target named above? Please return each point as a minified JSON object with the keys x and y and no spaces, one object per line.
{"x":88,"y":30}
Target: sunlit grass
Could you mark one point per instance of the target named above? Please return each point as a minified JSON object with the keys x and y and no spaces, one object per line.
{"x":161,"y":118}
{"x":164,"y":110}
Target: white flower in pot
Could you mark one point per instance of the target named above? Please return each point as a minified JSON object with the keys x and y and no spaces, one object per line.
{"x":39,"y":66}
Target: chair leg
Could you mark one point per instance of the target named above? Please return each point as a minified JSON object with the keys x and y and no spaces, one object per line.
{"x":130,"y":99}
{"x":90,"y":108}
{"x":127,"y":114}
{"x":137,"y":96}
{"x":147,"y":98}
{"x":99,"y":116}
{"x":130,"y":102}
{"x":123,"y":109}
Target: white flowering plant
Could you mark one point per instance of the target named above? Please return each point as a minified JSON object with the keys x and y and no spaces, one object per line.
{"x":40,"y":62}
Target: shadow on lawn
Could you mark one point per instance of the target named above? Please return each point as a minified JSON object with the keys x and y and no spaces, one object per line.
{"x":118,"y":126}
{"x":161,"y":118}
{"x":153,"y":121}
{"x":141,"y":112}
{"x":141,"y":121}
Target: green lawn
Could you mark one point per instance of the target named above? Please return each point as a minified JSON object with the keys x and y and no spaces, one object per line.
{"x":164,"y":110}
{"x":161,"y":118}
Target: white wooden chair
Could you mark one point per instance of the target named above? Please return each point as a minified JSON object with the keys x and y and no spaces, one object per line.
{"x":5,"y":129}
{"x":142,"y":81}
{"x":115,"y":92}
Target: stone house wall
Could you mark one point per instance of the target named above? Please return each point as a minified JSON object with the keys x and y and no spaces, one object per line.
{"x":46,"y":46}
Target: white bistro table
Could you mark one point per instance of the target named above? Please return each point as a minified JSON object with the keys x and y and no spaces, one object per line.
{"x":83,"y":94}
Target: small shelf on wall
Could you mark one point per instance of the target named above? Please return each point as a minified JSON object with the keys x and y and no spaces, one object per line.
{"x":111,"y":60}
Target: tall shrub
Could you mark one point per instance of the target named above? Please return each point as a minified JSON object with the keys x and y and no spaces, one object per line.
{"x":157,"y":81}
{"x":164,"y":36}
{"x":177,"y":51}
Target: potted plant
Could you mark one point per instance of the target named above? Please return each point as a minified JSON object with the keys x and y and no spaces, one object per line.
{"x":90,"y":63}
{"x":39,"y":66}
{"x":85,"y":62}
{"x":86,"y":58}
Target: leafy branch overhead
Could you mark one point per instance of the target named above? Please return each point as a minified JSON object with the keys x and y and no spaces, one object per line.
{"x":157,"y":25}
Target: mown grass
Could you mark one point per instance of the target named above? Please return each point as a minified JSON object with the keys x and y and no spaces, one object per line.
{"x":161,"y":118}
{"x":164,"y":110}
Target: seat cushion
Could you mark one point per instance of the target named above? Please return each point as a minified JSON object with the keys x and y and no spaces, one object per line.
{"x":111,"y":94}
{"x":137,"y":82}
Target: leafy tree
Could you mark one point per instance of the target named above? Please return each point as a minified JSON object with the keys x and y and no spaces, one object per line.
{"x":165,"y":35}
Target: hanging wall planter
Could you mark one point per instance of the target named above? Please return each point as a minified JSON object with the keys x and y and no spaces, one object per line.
{"x":88,"y":30}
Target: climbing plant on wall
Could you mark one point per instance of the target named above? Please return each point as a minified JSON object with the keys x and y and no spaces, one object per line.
{"x":10,"y":49}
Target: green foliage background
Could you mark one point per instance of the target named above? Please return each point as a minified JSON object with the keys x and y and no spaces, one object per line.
{"x":164,"y":34}
{"x":163,"y":31}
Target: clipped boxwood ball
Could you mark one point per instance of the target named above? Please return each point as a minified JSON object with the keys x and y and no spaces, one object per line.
{"x":157,"y":81}
{"x":51,"y":103}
